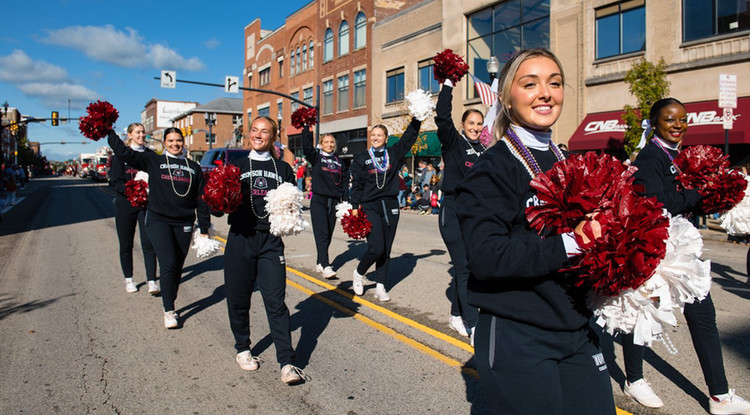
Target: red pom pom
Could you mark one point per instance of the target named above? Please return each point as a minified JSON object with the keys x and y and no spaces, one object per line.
{"x":136,"y":191}
{"x":356,"y":226}
{"x":223,"y":190}
{"x":631,"y":246}
{"x":704,"y":168}
{"x":581,"y":184}
{"x":304,"y":116}
{"x":448,"y":65}
{"x":101,"y":116}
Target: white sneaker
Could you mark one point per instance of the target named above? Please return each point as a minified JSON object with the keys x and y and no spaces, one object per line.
{"x":291,"y":374}
{"x":318,"y":268}
{"x":130,"y":286}
{"x":641,"y":391}
{"x":457,"y":324}
{"x":731,"y":404}
{"x":170,"y":319}
{"x":153,"y":288}
{"x":381,"y":293}
{"x":328,"y":272}
{"x":358,"y":284}
{"x":247,"y":361}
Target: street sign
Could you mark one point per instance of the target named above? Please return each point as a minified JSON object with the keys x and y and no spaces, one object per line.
{"x":168,"y":79}
{"x":232,"y":84}
{"x":727,"y":119}
{"x":727,"y":91}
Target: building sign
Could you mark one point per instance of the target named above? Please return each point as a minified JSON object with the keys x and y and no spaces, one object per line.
{"x":165,"y":111}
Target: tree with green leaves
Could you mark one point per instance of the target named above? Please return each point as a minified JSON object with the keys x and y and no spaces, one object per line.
{"x":648,"y":83}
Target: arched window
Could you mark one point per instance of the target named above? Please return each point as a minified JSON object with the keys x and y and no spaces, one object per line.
{"x":312,"y":59}
{"x":360,"y":31}
{"x":343,"y":38}
{"x":304,"y":57}
{"x":291,"y":63}
{"x":299,"y":61}
{"x":328,"y":45}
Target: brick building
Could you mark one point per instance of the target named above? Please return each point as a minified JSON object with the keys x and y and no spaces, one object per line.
{"x":157,"y":115}
{"x":226,"y":130}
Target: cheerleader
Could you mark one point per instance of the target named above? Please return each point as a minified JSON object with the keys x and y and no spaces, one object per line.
{"x":175,"y":188}
{"x":330,"y":186}
{"x":374,"y":191}
{"x":460,"y":151}
{"x":253,"y":255}
{"x":657,"y":175}
{"x":533,"y":344}
{"x":127,"y":216}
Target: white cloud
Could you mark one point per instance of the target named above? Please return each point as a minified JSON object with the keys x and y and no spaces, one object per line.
{"x":56,"y":95}
{"x":19,"y":67}
{"x":107,"y":44}
{"x":212,"y":43}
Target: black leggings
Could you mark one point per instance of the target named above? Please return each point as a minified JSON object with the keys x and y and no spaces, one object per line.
{"x":252,"y":258}
{"x":126,"y":217}
{"x":323,"y":216}
{"x":701,"y":321}
{"x":383,"y":214}
{"x":530,"y":370}
{"x":451,"y":233}
{"x":171,"y":243}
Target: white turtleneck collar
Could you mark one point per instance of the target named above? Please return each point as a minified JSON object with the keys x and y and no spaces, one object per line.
{"x":538,"y":140}
{"x":260,"y":155}
{"x":326,"y":153}
{"x":138,"y":148}
{"x":180,"y":156}
{"x":377,"y":149}
{"x":668,"y":144}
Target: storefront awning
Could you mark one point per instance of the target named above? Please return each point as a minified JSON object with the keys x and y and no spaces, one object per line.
{"x":427,"y":144}
{"x":605,"y":130}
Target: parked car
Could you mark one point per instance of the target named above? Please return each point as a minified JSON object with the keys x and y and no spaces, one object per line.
{"x":218,"y":156}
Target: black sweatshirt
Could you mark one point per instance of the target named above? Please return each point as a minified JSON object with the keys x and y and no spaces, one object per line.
{"x":120,"y":173}
{"x":257,"y":183}
{"x":658,"y":177}
{"x":162,"y":198}
{"x":365,"y":178}
{"x":330,"y":177}
{"x":514,"y":271}
{"x":459,"y":154}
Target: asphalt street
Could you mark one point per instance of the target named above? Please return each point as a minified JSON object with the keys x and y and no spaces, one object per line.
{"x":73,"y":341}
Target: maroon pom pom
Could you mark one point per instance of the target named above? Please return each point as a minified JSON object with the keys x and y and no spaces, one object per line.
{"x":101,"y":116}
{"x":136,"y":191}
{"x":704,"y":168}
{"x":356,"y":226}
{"x":448,"y":65}
{"x":223,"y":190}
{"x":304,"y":116}
{"x":574,"y":187}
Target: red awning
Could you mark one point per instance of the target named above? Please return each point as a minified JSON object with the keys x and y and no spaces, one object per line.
{"x":605,"y":130}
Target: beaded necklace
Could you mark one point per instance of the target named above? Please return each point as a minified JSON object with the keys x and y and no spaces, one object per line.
{"x":171,"y":180}
{"x":658,"y":143}
{"x":382,"y":168}
{"x":252,"y":204}
{"x":522,"y":153}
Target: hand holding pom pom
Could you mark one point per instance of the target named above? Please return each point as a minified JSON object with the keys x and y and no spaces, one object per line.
{"x":284,"y":207}
{"x":356,"y":225}
{"x":421,"y":105}
{"x":223,"y":191}
{"x":205,"y":245}
{"x":101,"y":116}
{"x":136,"y":191}
{"x":448,"y":65}
{"x":704,"y":168}
{"x":304,"y":116}
{"x":342,"y":209}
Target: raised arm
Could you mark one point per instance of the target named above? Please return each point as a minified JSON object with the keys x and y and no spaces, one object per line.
{"x":407,"y":140}
{"x":137,"y":159}
{"x":446,"y":130}
{"x":307,"y":146}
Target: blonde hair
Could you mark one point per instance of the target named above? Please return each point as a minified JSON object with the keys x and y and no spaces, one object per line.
{"x":335,"y":144}
{"x":507,"y":75}
{"x":130,"y":129}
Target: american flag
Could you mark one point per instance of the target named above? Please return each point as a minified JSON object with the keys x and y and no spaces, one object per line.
{"x":485,"y":92}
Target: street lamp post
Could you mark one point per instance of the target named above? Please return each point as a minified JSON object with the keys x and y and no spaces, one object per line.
{"x":493,"y":67}
{"x":2,"y":131}
{"x":210,"y":121}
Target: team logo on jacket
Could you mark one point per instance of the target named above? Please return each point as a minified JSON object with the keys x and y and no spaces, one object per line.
{"x":260,"y":183}
{"x":177,"y":173}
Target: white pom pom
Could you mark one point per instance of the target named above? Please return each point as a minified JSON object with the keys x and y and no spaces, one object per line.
{"x":342,"y":209}
{"x":680,"y":278}
{"x":421,"y":104}
{"x":205,"y":246}
{"x":284,"y":207}
{"x":737,"y":220}
{"x":142,"y":175}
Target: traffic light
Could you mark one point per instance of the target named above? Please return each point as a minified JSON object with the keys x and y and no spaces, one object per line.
{"x":55,"y":118}
{"x":189,"y":130}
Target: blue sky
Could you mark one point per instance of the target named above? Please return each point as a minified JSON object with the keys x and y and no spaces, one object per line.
{"x":56,"y":50}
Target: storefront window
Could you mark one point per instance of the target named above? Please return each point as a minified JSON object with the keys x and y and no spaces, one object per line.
{"x":620,"y":28}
